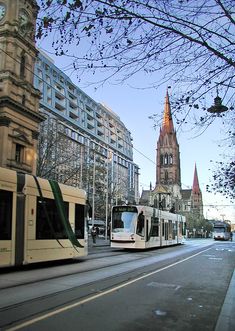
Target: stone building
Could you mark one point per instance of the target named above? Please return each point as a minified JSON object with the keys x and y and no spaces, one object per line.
{"x":168,"y":193}
{"x":19,"y":99}
{"x":50,"y":127}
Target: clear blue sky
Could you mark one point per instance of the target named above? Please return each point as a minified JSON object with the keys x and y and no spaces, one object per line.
{"x":134,"y":106}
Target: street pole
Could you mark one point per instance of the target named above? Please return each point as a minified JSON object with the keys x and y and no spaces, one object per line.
{"x":93,"y":193}
{"x":106,"y":201}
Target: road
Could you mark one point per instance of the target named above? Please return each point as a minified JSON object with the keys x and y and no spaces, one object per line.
{"x":175,"y":288}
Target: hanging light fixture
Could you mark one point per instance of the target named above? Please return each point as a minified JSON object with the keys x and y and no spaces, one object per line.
{"x":217,"y":108}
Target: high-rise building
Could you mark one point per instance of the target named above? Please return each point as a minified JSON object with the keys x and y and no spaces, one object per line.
{"x":83,"y":142}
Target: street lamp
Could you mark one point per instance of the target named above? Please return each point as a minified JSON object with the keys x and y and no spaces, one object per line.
{"x":217,"y":108}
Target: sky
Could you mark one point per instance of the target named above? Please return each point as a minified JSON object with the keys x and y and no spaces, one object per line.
{"x":134,"y":106}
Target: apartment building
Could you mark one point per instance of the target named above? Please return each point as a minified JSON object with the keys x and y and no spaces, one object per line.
{"x":82,"y":142}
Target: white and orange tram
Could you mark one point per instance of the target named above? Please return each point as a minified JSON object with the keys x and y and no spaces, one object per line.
{"x":143,"y":227}
{"x":40,"y":220}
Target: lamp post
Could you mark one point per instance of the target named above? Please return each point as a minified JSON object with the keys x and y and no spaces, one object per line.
{"x":108,"y":160}
{"x":93,"y":191}
{"x":107,"y":200}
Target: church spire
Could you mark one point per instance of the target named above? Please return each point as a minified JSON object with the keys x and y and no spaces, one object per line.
{"x":167,"y":125}
{"x":196,"y":188}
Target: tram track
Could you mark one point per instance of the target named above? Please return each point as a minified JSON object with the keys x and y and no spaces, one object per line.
{"x":29,"y":308}
{"x":37,"y":306}
{"x":77,"y":286}
{"x":26,"y":275}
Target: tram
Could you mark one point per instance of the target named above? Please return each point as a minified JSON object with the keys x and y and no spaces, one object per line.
{"x":222,"y":230}
{"x":40,"y":220}
{"x":143,"y":227}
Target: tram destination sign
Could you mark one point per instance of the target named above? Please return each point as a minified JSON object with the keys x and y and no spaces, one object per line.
{"x":121,"y":209}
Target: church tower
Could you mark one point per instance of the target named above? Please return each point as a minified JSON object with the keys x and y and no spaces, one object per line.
{"x":168,"y":155}
{"x":196,"y":195}
{"x":167,"y":192}
{"x":19,"y":100}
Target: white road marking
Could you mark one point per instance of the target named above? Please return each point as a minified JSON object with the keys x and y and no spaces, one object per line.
{"x":156,"y":284}
{"x":81,"y":302}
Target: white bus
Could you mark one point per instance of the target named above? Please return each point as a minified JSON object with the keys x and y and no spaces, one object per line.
{"x":40,"y":220}
{"x":142,"y":227}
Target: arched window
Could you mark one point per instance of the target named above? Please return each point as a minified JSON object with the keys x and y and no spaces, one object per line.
{"x":161,"y":159}
{"x":171,"y":159}
{"x":22,"y":66}
{"x":166,"y":159}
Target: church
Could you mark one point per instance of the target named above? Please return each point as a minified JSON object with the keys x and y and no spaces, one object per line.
{"x":168,"y":193}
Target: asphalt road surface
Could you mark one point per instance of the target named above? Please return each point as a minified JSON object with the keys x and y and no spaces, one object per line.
{"x":175,"y":288}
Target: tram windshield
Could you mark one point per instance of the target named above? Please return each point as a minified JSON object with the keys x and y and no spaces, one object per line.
{"x":220,"y":229}
{"x":124,"y":219}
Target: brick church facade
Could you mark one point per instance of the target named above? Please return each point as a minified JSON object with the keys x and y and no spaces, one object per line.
{"x":168,"y":193}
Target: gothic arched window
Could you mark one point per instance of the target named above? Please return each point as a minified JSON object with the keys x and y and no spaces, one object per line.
{"x":166,"y":159}
{"x":171,"y":159}
{"x":161,"y":159}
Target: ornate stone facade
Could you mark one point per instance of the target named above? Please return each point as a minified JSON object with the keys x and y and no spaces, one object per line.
{"x":167,"y":193}
{"x":19,"y":100}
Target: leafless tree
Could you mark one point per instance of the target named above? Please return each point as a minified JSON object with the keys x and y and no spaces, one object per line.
{"x":187,"y":42}
{"x":58,"y":156}
{"x":224,"y":171}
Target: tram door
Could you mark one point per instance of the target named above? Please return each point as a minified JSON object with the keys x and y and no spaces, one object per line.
{"x":6,"y":207}
{"x":162,"y":232}
{"x":176,"y":232}
{"x":166,"y":231}
{"x":140,"y":230}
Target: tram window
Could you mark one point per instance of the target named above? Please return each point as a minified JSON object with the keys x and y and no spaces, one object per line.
{"x":79,"y":221}
{"x":49,"y":227}
{"x":170,"y":228}
{"x":5,"y":214}
{"x":175,"y":226}
{"x":180,"y":228}
{"x":184,"y":229}
{"x":118,"y":224}
{"x":166,"y":231}
{"x":163,"y":228}
{"x":140,"y":224}
{"x":155,"y":227}
{"x":123,"y":221}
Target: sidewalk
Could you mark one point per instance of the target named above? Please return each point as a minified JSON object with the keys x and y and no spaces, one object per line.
{"x":100,"y":241}
{"x":226,"y":320}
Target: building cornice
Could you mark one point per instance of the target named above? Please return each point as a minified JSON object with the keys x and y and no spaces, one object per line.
{"x":8,"y":102}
